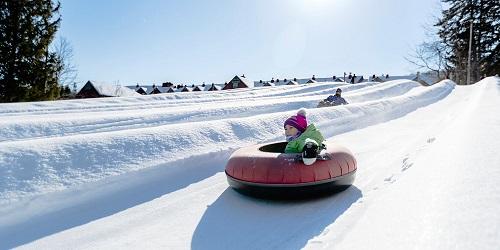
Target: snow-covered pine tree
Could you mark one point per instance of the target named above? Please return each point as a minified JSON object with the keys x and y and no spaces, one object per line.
{"x":454,"y":30}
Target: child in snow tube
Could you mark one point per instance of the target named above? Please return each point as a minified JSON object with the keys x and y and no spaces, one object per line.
{"x":302,"y":138}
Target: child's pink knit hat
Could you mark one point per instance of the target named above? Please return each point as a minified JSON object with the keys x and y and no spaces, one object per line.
{"x":298,"y":121}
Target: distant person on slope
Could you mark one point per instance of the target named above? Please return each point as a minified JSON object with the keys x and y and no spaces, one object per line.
{"x":302,"y":138}
{"x":336,"y":99}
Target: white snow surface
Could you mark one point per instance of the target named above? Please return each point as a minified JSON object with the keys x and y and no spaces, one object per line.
{"x":148,"y":171}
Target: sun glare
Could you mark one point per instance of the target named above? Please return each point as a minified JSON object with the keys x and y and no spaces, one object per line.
{"x":320,"y":6}
{"x":318,"y":2}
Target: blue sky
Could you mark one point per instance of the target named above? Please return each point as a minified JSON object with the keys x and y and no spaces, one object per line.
{"x":195,"y":41}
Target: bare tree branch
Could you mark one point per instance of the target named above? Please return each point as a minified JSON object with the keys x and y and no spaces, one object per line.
{"x":430,"y":56}
{"x":64,"y":52}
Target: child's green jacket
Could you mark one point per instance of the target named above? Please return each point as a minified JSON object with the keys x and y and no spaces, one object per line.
{"x":297,"y":145}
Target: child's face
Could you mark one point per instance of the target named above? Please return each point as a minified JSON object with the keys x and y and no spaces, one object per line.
{"x":290,"y":130}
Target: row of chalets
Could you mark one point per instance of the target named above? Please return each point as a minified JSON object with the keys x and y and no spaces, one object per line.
{"x":95,"y":89}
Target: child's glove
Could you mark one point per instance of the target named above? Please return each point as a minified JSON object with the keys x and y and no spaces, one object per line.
{"x":310,"y":152}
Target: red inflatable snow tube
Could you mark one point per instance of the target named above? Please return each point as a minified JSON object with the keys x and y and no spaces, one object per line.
{"x":264,"y":171}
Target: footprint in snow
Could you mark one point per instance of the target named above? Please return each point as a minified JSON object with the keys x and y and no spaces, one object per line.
{"x":390,"y":179}
{"x":406,"y":164}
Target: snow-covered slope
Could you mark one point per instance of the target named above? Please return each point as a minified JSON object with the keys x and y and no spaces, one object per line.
{"x":148,"y":171}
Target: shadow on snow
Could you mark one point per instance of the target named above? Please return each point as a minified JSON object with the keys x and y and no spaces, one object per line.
{"x":68,"y":209}
{"x":235,"y":221}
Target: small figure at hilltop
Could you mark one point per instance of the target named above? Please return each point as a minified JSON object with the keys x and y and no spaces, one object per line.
{"x":333,"y":100}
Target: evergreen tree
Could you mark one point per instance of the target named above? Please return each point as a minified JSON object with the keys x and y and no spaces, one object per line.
{"x":28,"y":70}
{"x":454,"y":30}
{"x":65,"y":91}
{"x":491,"y":36}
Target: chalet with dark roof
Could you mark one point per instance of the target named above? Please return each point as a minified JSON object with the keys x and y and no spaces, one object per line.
{"x":89,"y":91}
{"x":93,"y":89}
{"x":239,"y":82}
{"x":212,"y":87}
{"x":142,"y":90}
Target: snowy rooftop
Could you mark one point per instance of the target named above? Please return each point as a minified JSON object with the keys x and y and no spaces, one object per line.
{"x":107,"y":89}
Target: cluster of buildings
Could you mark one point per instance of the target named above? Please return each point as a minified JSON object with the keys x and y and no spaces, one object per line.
{"x":94,"y":89}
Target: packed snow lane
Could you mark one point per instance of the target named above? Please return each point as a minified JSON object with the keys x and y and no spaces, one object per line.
{"x":206,"y":215}
{"x":446,"y":197}
{"x":170,"y":99}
